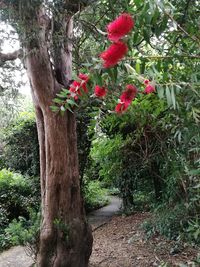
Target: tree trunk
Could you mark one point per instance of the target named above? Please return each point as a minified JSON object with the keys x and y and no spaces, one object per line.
{"x":65,"y":236}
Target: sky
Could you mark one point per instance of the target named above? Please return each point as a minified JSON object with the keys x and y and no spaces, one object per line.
{"x":10,"y":44}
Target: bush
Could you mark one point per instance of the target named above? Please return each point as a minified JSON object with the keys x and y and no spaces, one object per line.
{"x":17,"y":195}
{"x":94,"y":195}
{"x":168,"y":222}
{"x":22,"y":232}
{"x":21,"y":149}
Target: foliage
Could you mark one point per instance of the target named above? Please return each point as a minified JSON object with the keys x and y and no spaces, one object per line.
{"x":105,"y":154}
{"x":21,"y":149}
{"x":94,"y":195}
{"x":17,"y":195}
{"x":22,"y":231}
{"x":169,"y":223}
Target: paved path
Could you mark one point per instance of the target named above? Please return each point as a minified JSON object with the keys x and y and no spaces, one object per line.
{"x":101,"y":216}
{"x":17,"y":257}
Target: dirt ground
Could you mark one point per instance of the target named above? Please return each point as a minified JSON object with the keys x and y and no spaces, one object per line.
{"x":122,"y":243}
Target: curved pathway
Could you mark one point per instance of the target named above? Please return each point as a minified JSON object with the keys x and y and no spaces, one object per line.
{"x":17,"y":257}
{"x":101,"y":216}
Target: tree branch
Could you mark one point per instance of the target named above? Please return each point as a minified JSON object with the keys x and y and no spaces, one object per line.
{"x":10,"y":56}
{"x":163,"y":57}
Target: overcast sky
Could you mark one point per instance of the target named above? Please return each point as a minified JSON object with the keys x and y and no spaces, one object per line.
{"x":10,"y":44}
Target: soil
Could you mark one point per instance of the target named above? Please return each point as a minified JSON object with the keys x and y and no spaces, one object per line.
{"x":122,"y":243}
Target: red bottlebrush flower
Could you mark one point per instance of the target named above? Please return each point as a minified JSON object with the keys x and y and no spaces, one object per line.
{"x":146,"y":82}
{"x":100,"y":91}
{"x":83,"y":77}
{"x":129,"y":94}
{"x":75,"y":87}
{"x":83,"y":85}
{"x":114,"y":54}
{"x":121,"y":107}
{"x":149,"y":89}
{"x":120,"y":27}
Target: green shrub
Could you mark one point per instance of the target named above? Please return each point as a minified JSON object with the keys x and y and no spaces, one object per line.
{"x":106,"y":159}
{"x":21,"y":149}
{"x":192,"y":231}
{"x":17,"y":195}
{"x":174,"y":223}
{"x":94,"y":195}
{"x":22,"y":232}
{"x":3,"y":218}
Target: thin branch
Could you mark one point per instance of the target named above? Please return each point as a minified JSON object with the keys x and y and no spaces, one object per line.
{"x":10,"y":56}
{"x":163,"y":57}
{"x":192,"y":37}
{"x":91,"y":25}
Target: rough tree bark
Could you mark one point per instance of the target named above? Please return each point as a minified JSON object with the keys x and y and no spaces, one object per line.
{"x":65,"y":236}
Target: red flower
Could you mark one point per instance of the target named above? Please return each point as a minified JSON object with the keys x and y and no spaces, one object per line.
{"x":75,"y":89}
{"x":114,"y":54}
{"x":126,"y":98}
{"x":121,"y":107}
{"x":146,"y":82}
{"x":83,"y":85}
{"x":149,"y":89}
{"x":129,"y":94}
{"x":100,"y":91}
{"x":120,"y":27}
{"x":83,"y":77}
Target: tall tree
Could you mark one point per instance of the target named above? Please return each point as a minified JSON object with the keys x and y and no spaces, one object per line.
{"x":45,"y":31}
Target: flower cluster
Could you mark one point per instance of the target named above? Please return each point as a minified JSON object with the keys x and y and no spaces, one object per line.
{"x":130,"y":94}
{"x":77,"y":87}
{"x":126,"y":98}
{"x":116,"y":30}
{"x":114,"y":54}
{"x":120,"y":27}
{"x":150,"y":88}
{"x":100,"y":91}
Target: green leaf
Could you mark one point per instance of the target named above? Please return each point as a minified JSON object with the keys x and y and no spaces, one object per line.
{"x":160,"y":91}
{"x":57,"y":100}
{"x":62,"y":95}
{"x":173,"y":98}
{"x":66,"y":91}
{"x":168,"y":96}
{"x":71,"y":102}
{"x":54,"y":108}
{"x":137,"y":66}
